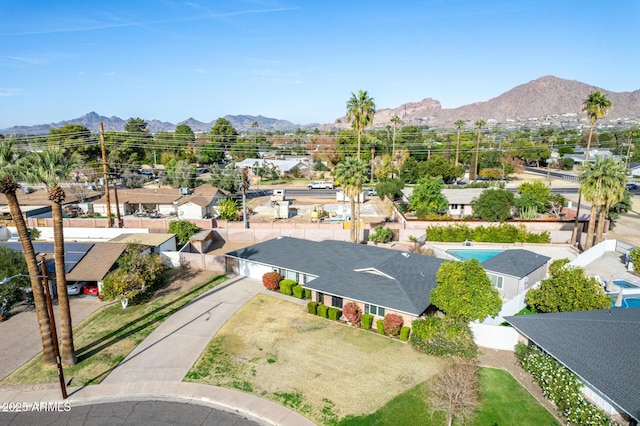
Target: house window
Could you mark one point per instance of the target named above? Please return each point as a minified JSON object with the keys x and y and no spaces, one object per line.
{"x":496,"y":280}
{"x":454,"y":207}
{"x":336,"y":302}
{"x":374,"y":310}
{"x":319,"y":297}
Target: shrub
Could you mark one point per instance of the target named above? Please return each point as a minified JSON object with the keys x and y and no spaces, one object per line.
{"x":503,"y":233}
{"x":307,"y":293}
{"x":183,"y":229}
{"x":312,"y":307}
{"x":634,"y":255}
{"x":380,"y":326}
{"x":286,"y":286}
{"x":353,"y":313}
{"x":298,"y":291}
{"x":334,"y":314}
{"x":271,"y":280}
{"x":392,"y":324}
{"x":443,"y":337}
{"x":367,"y":321}
{"x":404,"y":333}
{"x":560,"y":386}
{"x":381,"y":234}
{"x":391,"y":188}
{"x":323,"y":311}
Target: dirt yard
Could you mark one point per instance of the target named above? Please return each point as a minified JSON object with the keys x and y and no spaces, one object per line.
{"x":274,"y":349}
{"x":183,"y":279}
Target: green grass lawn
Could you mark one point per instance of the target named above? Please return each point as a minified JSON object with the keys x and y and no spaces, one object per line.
{"x":106,"y":337}
{"x":504,"y":402}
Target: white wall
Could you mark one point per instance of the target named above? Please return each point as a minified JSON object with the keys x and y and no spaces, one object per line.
{"x":593,"y":253}
{"x":494,"y":336}
{"x":191,"y":211}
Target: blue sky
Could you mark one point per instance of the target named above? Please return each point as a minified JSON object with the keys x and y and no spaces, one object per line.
{"x":297,"y":60}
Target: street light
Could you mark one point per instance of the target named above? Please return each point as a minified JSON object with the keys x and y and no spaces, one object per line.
{"x":54,"y":334}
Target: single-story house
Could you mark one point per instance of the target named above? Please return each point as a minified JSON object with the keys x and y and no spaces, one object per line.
{"x":459,"y":200}
{"x":579,"y":156}
{"x":140,"y":201}
{"x":601,"y":347}
{"x":515,"y":271}
{"x":283,"y":167}
{"x":634,"y":169}
{"x":96,"y":264}
{"x":156,"y":242}
{"x":200,"y":202}
{"x":380,"y":280}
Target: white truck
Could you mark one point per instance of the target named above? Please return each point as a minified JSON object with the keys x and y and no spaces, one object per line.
{"x":320,"y":185}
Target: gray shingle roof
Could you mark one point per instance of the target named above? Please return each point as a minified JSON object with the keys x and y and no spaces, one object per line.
{"x":600,"y":346}
{"x":517,"y":263}
{"x":374,"y":275}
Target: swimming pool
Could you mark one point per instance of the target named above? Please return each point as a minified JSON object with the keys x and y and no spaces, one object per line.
{"x":628,"y":301}
{"x":625,"y":284}
{"x":480,"y":254}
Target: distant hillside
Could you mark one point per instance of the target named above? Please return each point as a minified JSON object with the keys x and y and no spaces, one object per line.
{"x":547,"y":100}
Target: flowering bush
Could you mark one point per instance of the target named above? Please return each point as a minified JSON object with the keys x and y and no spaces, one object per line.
{"x":271,"y":280}
{"x":561,"y":387}
{"x":392,"y":324}
{"x":353,"y":313}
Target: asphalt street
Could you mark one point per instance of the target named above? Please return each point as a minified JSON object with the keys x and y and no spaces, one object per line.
{"x":139,"y":413}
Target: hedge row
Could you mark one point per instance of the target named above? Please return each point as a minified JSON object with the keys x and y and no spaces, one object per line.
{"x":503,"y":233}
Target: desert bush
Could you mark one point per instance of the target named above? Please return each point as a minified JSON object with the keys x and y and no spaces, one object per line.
{"x":352,"y":313}
{"x":392,"y":324}
{"x":381,"y":234}
{"x":271,"y":280}
{"x":367,"y":321}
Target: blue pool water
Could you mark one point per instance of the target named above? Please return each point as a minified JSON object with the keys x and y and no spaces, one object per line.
{"x":624,"y":284}
{"x":480,"y":254}
{"x":629,"y":301}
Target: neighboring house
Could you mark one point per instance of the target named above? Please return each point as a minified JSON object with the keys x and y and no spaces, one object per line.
{"x":634,"y":169}
{"x":594,"y":153}
{"x":200,"y":202}
{"x":601,"y":347}
{"x":380,"y":280}
{"x":157,"y":243}
{"x":514,"y":271}
{"x":459,"y":200}
{"x":140,"y":201}
{"x":96,"y":264}
{"x":283,"y":167}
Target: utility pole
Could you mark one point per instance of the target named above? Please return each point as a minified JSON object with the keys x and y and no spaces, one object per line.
{"x":115,"y":192}
{"x":244,"y":197}
{"x":105,"y":177}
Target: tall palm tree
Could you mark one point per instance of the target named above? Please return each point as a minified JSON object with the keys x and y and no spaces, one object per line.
{"x":360,"y":111}
{"x":614,"y":184}
{"x":255,"y":135}
{"x":632,"y":133}
{"x":596,"y":106}
{"x":352,"y":174}
{"x":429,"y":144}
{"x":480,"y":123}
{"x":396,"y":122}
{"x":8,"y":187}
{"x":52,"y":166}
{"x":458,"y":124}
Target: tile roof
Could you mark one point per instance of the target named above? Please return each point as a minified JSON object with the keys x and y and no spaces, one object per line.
{"x":388,"y":278}
{"x":599,"y":346}
{"x":517,"y":263}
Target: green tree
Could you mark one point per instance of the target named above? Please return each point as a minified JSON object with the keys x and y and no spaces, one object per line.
{"x":12,"y":263}
{"x":184,"y":134}
{"x":534,"y":195}
{"x":9,"y":171}
{"x":360,"y":111}
{"x":465,"y":292}
{"x":568,"y":289}
{"x":227,"y":209}
{"x":136,"y":125}
{"x":75,"y":138}
{"x":223,"y":134}
{"x":182,"y":174}
{"x":615,"y":183}
{"x":183,"y":229}
{"x":352,"y":174}
{"x":596,"y":106}
{"x":427,"y":197}
{"x":227,"y":179}
{"x":52,"y":166}
{"x":494,"y":205}
{"x":474,"y":161}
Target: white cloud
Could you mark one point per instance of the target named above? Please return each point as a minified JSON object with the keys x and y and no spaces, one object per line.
{"x":9,"y":92}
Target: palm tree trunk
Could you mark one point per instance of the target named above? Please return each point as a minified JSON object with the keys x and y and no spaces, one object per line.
{"x":67,"y":351}
{"x":574,"y":234}
{"x":358,"y":145}
{"x":44,"y":323}
{"x":592,"y":227}
{"x":358,"y":219}
{"x":352,"y":228}
{"x":602,"y":218}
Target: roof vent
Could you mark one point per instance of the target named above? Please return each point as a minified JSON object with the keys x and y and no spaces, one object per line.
{"x":405,"y":254}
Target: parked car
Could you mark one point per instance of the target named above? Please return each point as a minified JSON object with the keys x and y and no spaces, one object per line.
{"x":632,"y":186}
{"x":76,"y":287}
{"x":91,"y":289}
{"x":371,"y":192}
{"x":320,"y":185}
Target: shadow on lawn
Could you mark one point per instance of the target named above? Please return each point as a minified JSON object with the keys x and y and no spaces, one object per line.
{"x":137,"y":325}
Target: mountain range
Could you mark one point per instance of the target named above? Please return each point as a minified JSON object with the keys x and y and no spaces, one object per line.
{"x":547,"y":100}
